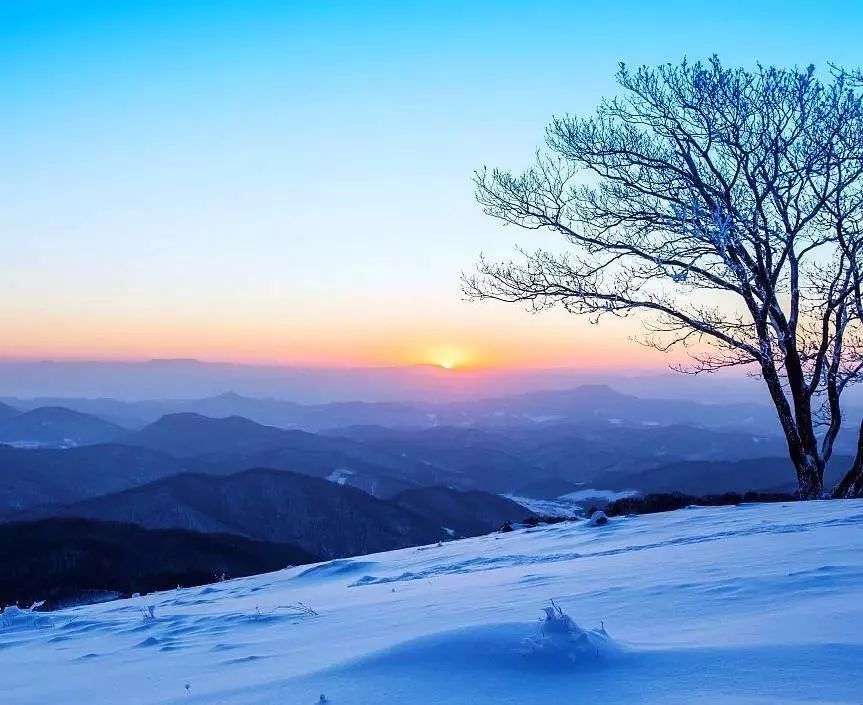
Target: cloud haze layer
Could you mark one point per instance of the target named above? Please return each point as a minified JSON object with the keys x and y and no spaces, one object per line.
{"x":191,"y":379}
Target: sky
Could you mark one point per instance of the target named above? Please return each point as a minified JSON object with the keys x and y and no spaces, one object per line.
{"x":290,"y":182}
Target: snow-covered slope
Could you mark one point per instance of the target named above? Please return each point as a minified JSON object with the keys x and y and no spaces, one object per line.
{"x":752,"y":604}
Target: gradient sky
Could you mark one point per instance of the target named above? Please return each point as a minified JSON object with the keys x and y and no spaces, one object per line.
{"x":290,"y":181}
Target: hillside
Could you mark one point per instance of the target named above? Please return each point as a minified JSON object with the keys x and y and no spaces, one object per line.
{"x":226,"y":445}
{"x":33,"y":477}
{"x":462,"y":513}
{"x":57,"y":426}
{"x":61,"y":560}
{"x":321,"y":517}
{"x":749,"y":604}
{"x":601,"y":454}
{"x":711,"y":477}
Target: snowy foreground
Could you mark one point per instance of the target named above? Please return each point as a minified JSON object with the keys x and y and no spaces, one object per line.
{"x":753,"y":604}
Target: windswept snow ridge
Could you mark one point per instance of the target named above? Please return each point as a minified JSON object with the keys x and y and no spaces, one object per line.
{"x":750,"y":604}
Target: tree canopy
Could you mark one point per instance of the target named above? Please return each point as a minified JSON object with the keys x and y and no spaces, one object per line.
{"x":724,"y":207}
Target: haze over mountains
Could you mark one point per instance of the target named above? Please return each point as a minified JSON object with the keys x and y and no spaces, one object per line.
{"x":193,"y":379}
{"x":590,"y":402}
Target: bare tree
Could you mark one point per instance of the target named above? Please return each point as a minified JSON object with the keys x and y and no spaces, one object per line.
{"x":725,"y":208}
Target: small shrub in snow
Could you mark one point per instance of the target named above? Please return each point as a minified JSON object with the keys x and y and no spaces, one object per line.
{"x":560,"y":637}
{"x":598,"y":518}
{"x":13,"y":617}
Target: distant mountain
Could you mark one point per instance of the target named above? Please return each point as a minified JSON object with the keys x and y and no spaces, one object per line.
{"x":771,"y":474}
{"x":57,"y":426}
{"x":267,"y":411}
{"x":321,"y":517}
{"x":506,"y":460}
{"x":188,"y":435}
{"x":327,"y":463}
{"x":595,"y":402}
{"x":7,"y":412}
{"x":308,"y":417}
{"x":74,"y":560}
{"x":464,"y":458}
{"x":462,"y":513}
{"x":222,"y":446}
{"x":29,"y":478}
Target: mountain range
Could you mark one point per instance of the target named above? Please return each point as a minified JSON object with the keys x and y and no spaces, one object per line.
{"x":583,"y":404}
{"x":582,"y":445}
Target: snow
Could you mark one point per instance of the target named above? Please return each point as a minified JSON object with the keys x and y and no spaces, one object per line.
{"x":340,"y":475}
{"x":547,"y":507}
{"x":598,"y":518}
{"x":604,"y":495}
{"x":569,"y":504}
{"x":748,"y":604}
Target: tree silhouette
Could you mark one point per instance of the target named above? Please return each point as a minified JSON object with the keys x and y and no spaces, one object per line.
{"x":725,"y":208}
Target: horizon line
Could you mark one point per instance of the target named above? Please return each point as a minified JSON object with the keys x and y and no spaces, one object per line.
{"x":8,"y":360}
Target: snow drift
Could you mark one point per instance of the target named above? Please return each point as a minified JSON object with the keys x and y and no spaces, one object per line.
{"x":749,"y":604}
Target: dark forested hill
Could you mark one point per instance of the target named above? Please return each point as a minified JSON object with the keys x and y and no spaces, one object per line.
{"x":60,"y":560}
{"x":322,"y":517}
{"x":463,"y":513}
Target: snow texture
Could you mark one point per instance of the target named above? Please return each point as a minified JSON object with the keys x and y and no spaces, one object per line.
{"x":743,"y":605}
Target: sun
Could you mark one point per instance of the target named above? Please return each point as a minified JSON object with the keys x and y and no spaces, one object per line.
{"x":446,"y":357}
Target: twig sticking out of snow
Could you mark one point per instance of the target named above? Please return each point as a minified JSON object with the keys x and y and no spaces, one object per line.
{"x":299,"y":609}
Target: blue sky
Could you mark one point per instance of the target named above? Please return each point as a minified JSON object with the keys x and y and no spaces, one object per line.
{"x":291,"y":181}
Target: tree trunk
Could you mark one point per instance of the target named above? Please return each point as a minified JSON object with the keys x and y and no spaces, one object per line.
{"x":810,"y":472}
{"x":802,"y":444}
{"x":851,"y":485}
{"x":810,"y":477}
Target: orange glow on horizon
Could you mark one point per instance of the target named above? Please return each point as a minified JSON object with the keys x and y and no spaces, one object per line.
{"x":625,"y":356}
{"x":480,"y":342}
